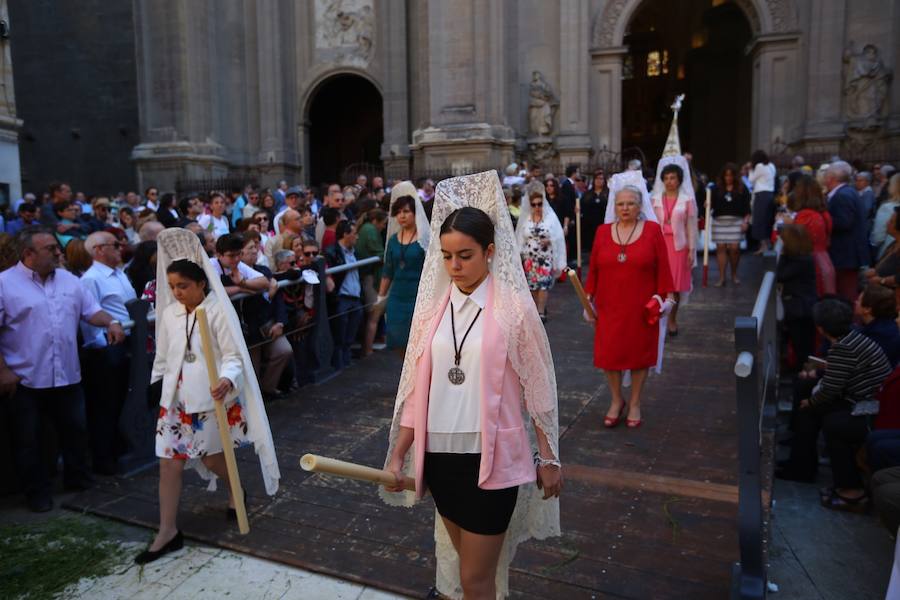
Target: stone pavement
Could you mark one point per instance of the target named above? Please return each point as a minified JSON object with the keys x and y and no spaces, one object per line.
{"x":647,"y":513}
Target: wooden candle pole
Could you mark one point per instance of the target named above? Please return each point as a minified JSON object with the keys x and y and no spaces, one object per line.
{"x":332,"y":466}
{"x":578,"y":233}
{"x":582,"y":296}
{"x":706,"y":235}
{"x":234,"y":478}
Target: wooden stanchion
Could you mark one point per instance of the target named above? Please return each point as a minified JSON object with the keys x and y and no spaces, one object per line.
{"x":707,"y":233}
{"x":582,"y":296}
{"x":332,"y":466}
{"x":234,"y":478}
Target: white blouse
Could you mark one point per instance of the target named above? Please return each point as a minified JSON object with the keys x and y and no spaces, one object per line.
{"x":454,"y":411}
{"x":763,"y":177}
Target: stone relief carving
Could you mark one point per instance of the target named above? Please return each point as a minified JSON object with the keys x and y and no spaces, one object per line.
{"x":866,"y":84}
{"x":542,"y":105}
{"x":346,"y":28}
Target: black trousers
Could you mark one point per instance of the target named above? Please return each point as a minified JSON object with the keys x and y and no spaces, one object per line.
{"x":105,"y":374}
{"x":844,"y":434}
{"x":802,"y":333}
{"x":30,"y":411}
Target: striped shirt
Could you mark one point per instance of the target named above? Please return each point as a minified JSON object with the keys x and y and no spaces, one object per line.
{"x":856,"y":369}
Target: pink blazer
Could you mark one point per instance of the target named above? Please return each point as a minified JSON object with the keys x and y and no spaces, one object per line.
{"x":506,"y":458}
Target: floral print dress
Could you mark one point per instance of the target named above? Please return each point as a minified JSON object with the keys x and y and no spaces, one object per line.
{"x":182,"y":435}
{"x":537,"y":257}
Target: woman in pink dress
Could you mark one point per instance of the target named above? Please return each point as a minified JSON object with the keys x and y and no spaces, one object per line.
{"x":676,"y":209}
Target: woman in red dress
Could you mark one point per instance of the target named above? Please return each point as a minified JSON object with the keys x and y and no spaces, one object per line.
{"x":807,"y":201}
{"x":629,"y":268}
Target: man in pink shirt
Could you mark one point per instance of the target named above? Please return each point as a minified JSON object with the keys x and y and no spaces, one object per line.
{"x":40,"y":308}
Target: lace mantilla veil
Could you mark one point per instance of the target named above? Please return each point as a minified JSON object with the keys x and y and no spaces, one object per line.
{"x":529,"y":353}
{"x":423,"y":231}
{"x":549,"y":220}
{"x":177,"y":244}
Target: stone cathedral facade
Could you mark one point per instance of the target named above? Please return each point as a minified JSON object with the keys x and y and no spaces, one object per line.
{"x":299,"y":89}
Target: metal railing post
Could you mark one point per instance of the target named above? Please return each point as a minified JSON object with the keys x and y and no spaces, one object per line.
{"x":137,"y":423}
{"x":750,"y":573}
{"x":770,"y":347}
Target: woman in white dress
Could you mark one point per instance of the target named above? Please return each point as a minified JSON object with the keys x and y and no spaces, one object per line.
{"x":187,"y":433}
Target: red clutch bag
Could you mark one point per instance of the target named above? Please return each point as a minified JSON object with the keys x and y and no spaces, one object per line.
{"x":651,"y":312}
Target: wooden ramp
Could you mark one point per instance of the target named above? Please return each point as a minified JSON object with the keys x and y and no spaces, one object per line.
{"x":647,"y":513}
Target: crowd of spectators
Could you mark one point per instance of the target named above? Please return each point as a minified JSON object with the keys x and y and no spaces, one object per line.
{"x":838,"y":273}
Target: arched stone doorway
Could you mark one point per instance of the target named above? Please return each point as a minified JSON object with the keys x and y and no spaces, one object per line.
{"x":345,"y":126}
{"x":690,"y":47}
{"x":771,"y":54}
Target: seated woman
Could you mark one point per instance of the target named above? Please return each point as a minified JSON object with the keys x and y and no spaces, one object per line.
{"x":841,"y":404}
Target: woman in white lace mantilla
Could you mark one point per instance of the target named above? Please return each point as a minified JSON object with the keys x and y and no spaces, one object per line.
{"x":477,"y":356}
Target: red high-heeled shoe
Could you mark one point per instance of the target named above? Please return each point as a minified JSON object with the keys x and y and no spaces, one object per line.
{"x":610,"y":422}
{"x":633,"y":423}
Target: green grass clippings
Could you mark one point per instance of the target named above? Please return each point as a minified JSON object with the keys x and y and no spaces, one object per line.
{"x":39,"y":560}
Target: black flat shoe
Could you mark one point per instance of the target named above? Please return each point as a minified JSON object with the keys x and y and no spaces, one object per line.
{"x":148,"y":556}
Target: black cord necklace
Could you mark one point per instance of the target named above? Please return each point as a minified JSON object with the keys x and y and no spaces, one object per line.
{"x":402,"y":249}
{"x":622,"y":257}
{"x":456,"y":375}
{"x":188,"y":355}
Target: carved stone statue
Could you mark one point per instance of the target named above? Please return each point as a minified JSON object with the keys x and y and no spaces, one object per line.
{"x":346,"y":26}
{"x":542,"y":105}
{"x":866,"y":84}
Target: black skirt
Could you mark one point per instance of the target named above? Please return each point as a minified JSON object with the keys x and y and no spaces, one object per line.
{"x":453,"y":482}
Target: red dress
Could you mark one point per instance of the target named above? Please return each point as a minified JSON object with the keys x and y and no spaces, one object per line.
{"x":623,"y":339}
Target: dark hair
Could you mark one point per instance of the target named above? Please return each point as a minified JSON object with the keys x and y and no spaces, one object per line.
{"x":834,"y":316}
{"x":807,"y":193}
{"x":796,"y":240}
{"x":759,"y":156}
{"x":140,"y":271}
{"x":343,"y":228}
{"x":401,"y":203}
{"x":251,"y":236}
{"x":735,"y":175}
{"x":230,"y":242}
{"x":167,"y":201}
{"x":571,"y":170}
{"x":672,"y":168}
{"x":881,"y":300}
{"x":189,"y":270}
{"x":185,"y":203}
{"x":214,"y":195}
{"x":25,"y":241}
{"x":27,"y":207}
{"x":472,"y":222}
{"x":152,"y":187}
{"x":56,"y":186}
{"x":330,"y":215}
{"x":375,"y":215}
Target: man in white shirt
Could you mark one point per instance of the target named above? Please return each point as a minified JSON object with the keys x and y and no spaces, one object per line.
{"x":105,"y":367}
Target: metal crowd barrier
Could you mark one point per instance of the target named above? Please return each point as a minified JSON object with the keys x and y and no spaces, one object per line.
{"x":756,"y":371}
{"x":138,"y":418}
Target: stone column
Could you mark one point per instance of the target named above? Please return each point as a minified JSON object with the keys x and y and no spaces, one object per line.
{"x":606,"y":98}
{"x":774,"y":91}
{"x":573,"y":141}
{"x":10,"y":124}
{"x":824,"y":119}
{"x":466,"y":123}
{"x":175,"y":93}
{"x":276,"y":157}
{"x":395,"y":149}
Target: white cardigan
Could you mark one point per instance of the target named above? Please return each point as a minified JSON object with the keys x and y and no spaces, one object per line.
{"x":763,"y":177}
{"x":169,"y":363}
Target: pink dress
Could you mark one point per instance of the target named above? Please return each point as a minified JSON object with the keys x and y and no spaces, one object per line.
{"x":679,"y":260}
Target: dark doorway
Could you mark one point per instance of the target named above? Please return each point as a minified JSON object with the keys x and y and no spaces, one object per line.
{"x":346,"y":127}
{"x":695,"y":47}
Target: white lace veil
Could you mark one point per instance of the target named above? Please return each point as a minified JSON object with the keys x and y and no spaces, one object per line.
{"x":629,"y":179}
{"x":549,"y":221}
{"x":528,"y":351}
{"x":177,"y":244}
{"x":406,"y":188}
{"x":686,"y":189}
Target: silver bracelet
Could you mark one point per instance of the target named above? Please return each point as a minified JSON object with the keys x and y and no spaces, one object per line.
{"x":540,"y":461}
